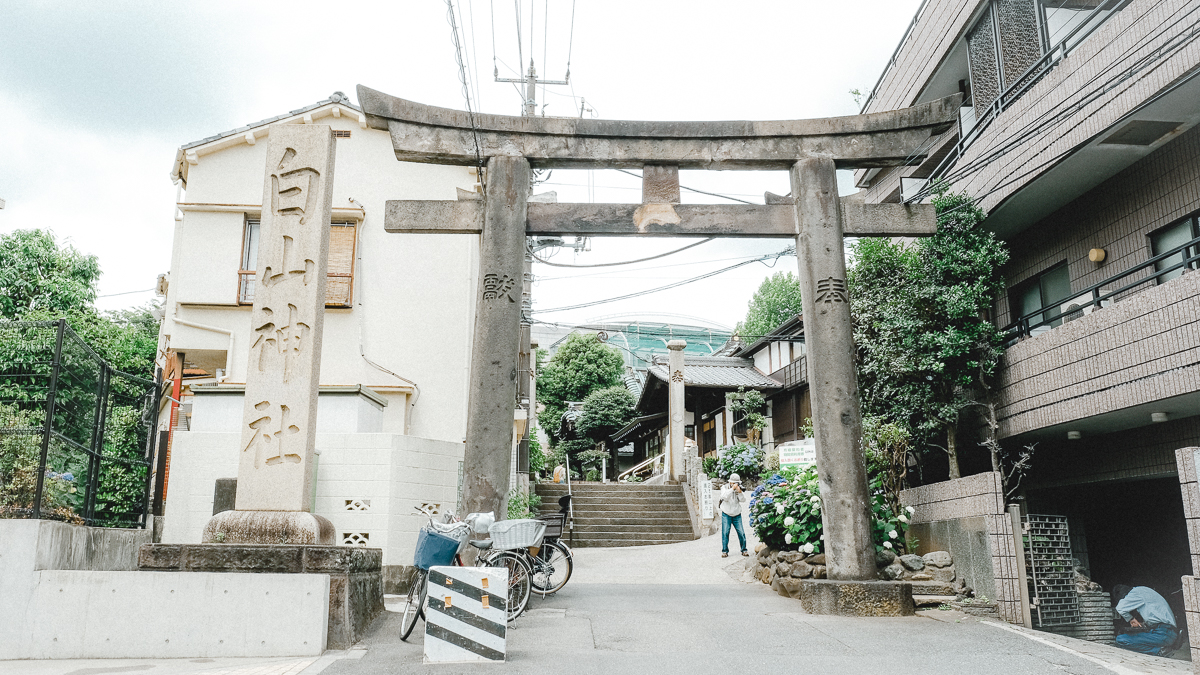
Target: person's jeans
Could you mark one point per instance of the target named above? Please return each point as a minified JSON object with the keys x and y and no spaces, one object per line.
{"x":726,"y":519}
{"x":1147,"y":642}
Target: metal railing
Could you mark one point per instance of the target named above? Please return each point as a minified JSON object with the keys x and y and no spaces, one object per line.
{"x":1103,"y":294}
{"x":648,"y":463}
{"x":76,"y":434}
{"x":981,"y":118}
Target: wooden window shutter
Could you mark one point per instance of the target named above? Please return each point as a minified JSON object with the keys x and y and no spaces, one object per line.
{"x":339,"y":290}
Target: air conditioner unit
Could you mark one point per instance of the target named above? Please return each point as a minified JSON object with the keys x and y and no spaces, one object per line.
{"x":1082,"y":305}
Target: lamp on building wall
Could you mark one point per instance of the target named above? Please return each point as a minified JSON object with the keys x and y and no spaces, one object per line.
{"x":1158,"y":417}
{"x":1097,"y":255}
{"x":1074,"y":435}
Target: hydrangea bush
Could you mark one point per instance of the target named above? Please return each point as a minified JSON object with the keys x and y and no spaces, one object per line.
{"x":743,"y":459}
{"x":785,"y":512}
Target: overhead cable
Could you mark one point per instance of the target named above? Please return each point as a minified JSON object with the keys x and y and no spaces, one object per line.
{"x":627,"y":262}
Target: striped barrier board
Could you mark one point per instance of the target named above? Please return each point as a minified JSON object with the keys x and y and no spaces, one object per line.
{"x":466,"y":619}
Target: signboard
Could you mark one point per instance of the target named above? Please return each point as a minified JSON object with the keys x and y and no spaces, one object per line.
{"x":706,"y":503}
{"x":466,"y":619}
{"x":802,"y":453}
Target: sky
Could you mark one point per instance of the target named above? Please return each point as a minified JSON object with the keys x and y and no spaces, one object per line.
{"x":95,"y":98}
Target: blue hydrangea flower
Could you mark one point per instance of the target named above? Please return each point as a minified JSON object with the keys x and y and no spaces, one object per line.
{"x":67,"y":477}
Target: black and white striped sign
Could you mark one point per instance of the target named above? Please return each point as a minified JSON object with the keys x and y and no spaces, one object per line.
{"x":466,"y":619}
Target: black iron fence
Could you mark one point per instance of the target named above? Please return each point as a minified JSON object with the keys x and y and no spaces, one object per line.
{"x":76,"y":435}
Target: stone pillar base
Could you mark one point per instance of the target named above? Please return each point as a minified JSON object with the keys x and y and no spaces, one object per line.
{"x":850,"y":598}
{"x":355,"y":578}
{"x":269,"y":527}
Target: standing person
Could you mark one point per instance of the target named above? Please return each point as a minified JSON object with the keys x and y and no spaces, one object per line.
{"x":731,"y":513}
{"x":1150,"y":616}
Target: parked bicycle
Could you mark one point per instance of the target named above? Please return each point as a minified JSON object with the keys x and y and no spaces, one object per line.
{"x":554,"y":562}
{"x":439,"y":543}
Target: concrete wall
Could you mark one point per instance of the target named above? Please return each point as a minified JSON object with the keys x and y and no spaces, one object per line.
{"x":967,"y":518}
{"x":1139,"y":350}
{"x":1190,"y":488}
{"x":367,"y":486}
{"x":66,"y":596}
{"x":414,"y":295}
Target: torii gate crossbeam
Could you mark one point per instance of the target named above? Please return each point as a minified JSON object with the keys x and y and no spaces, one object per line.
{"x":811,"y":150}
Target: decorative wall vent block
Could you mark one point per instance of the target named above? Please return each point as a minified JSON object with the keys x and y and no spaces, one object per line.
{"x":433,"y":508}
{"x":356,"y":538}
{"x":358,"y":504}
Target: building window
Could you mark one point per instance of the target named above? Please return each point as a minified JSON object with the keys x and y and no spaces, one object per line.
{"x":1171,"y":237}
{"x":340,"y":284}
{"x":1047,"y":291}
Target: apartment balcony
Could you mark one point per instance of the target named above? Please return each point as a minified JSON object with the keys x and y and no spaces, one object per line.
{"x":793,"y":374}
{"x":1107,"y":359}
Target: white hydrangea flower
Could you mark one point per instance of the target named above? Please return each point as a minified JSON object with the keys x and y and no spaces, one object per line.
{"x":807,"y":548}
{"x":887,"y":544}
{"x":816,"y":499}
{"x":787,"y":538}
{"x":893,"y":534}
{"x":902,"y":518}
{"x":910,"y":509}
{"x":788,"y":522}
{"x":779,"y":509}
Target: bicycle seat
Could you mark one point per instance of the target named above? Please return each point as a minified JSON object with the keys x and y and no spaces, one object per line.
{"x":482,"y":544}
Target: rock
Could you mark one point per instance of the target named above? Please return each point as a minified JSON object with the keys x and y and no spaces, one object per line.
{"x":893,"y":572}
{"x":884,"y":557}
{"x":759,"y":547}
{"x":818,"y":559}
{"x":921,"y":576}
{"x":764,"y":555}
{"x":764,"y":575}
{"x":938,"y":559}
{"x":912,"y":562}
{"x":801,"y":569}
{"x":946,"y":574}
{"x":791,"y":556}
{"x":782,"y":569}
{"x":818,"y":571}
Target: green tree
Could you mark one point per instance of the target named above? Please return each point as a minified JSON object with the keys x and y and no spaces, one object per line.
{"x":927,"y":349}
{"x":605,"y":411}
{"x":36,"y":274}
{"x":581,"y":365}
{"x":776,"y":300}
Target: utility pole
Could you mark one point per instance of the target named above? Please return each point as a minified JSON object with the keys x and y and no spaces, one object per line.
{"x":531,"y":81}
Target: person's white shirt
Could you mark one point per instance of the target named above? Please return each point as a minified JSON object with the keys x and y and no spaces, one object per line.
{"x":731,"y":500}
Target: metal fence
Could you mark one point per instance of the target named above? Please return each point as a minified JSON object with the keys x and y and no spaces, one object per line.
{"x":1051,"y":571}
{"x":76,"y":435}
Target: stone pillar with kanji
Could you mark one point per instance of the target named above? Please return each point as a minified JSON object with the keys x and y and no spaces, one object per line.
{"x":276,"y":471}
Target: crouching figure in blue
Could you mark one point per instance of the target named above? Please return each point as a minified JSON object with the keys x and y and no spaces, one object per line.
{"x":1150,"y":617}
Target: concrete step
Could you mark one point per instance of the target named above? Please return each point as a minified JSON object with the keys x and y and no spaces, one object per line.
{"x":597,"y":543}
{"x":685,"y":528}
{"x":641,"y":490}
{"x":620,"y":534}
{"x":663,"y":521}
{"x":932,"y":600}
{"x":631,"y":501}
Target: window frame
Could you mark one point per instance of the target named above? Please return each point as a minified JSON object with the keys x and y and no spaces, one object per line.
{"x":1194,"y":220}
{"x":1021,"y":288}
{"x":250,"y":220}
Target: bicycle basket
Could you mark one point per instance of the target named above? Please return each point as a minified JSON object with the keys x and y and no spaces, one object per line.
{"x":434,"y":549}
{"x":554,"y":525}
{"x":508,"y":535}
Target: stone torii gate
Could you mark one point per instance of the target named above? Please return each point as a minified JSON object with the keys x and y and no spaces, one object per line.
{"x":811,"y":150}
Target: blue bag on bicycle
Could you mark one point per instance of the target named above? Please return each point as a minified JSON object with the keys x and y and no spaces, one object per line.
{"x":434,"y":549}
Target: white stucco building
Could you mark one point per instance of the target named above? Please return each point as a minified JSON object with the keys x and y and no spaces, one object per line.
{"x":396,"y":352}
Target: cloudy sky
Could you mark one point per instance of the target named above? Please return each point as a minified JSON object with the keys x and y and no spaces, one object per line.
{"x":96,"y":97}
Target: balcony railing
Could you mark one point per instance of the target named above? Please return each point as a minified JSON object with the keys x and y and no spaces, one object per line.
{"x":973,"y":121}
{"x":793,"y":373}
{"x":1104,"y":293}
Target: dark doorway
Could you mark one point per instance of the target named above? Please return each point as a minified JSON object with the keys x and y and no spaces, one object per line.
{"x":1130,"y":532}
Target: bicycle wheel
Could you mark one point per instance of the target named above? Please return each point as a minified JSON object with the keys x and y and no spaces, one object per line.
{"x":415,"y":607}
{"x":519,"y":585}
{"x":552,"y":568}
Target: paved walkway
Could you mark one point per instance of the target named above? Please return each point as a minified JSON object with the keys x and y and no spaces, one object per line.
{"x":681,"y":608}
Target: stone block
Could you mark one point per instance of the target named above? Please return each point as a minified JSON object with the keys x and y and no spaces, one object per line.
{"x":946,"y":574}
{"x":801,"y":570}
{"x":912,"y":562}
{"x":850,"y":598}
{"x":937,"y":559}
{"x":160,"y":557}
{"x":224,"y":495}
{"x":269,"y":527}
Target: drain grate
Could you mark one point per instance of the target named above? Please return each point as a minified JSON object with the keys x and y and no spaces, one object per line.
{"x":1051,"y":571}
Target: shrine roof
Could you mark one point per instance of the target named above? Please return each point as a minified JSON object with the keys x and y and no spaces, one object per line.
{"x":716,"y":371}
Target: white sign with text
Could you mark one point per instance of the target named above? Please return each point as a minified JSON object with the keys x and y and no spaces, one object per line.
{"x":801,"y":453}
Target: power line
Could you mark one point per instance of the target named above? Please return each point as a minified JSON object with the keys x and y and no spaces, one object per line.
{"x":684,"y":187}
{"x":645,"y":269}
{"x":627,"y":262}
{"x":791,"y":250}
{"x":113,"y":295}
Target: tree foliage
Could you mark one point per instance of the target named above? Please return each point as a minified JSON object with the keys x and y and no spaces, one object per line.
{"x":776,"y":300}
{"x":926,"y":344}
{"x":581,"y":365}
{"x":36,"y":274}
{"x":605,"y":411}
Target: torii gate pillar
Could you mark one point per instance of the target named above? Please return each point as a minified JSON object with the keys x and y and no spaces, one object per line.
{"x":493,"y":388}
{"x":837,"y":419}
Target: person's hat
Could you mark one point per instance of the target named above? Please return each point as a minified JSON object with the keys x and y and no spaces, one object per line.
{"x":734,"y":478}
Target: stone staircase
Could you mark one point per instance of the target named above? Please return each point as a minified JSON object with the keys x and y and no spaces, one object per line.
{"x":621,"y":514}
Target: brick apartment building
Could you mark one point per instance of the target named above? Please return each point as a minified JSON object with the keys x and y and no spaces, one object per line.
{"x":1078,"y":137}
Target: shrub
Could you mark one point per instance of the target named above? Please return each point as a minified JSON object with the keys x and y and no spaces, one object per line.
{"x":743,"y":459}
{"x":785,"y":512}
{"x":709,"y":466}
{"x":523,"y":504}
